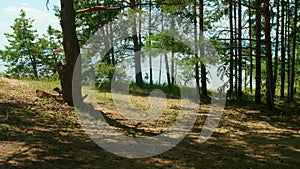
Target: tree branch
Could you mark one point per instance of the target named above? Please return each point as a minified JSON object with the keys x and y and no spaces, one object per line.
{"x":101,"y":8}
{"x":47,"y":3}
{"x":105,"y":8}
{"x":243,"y":4}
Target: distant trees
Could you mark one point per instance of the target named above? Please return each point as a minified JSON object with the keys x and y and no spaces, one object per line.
{"x":273,"y":51}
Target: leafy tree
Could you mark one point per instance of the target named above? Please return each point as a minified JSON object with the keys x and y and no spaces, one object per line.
{"x":50,"y":51}
{"x":21,"y":54}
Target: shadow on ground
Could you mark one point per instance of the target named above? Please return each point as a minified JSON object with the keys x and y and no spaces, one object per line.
{"x":42,"y":135}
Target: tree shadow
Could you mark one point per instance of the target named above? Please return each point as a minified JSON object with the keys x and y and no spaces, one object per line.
{"x":243,"y":140}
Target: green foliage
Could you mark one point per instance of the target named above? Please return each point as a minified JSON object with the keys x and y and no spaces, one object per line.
{"x":173,"y":92}
{"x":104,"y":75}
{"x":167,"y":43}
{"x":89,"y":23}
{"x":21,"y":56}
{"x":27,"y":55}
{"x":174,"y":6}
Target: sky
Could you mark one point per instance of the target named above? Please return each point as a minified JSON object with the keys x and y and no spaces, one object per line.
{"x":34,"y":9}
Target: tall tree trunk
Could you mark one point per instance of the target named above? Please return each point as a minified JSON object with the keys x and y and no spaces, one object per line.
{"x":137,"y":55}
{"x":160,"y":59}
{"x":269,"y":71}
{"x":250,"y":44}
{"x":276,"y":47}
{"x":160,"y":67}
{"x":172,"y":56}
{"x":282,"y":52}
{"x":197,"y":73}
{"x":294,"y":49}
{"x":173,"y":68}
{"x":203,"y":68}
{"x":288,"y":50}
{"x":113,"y":62}
{"x":34,"y":66}
{"x":150,"y":26}
{"x":240,"y":63}
{"x":168,"y":71}
{"x":235,"y":48}
{"x":258,"y":53}
{"x":69,"y":85}
{"x":231,"y":50}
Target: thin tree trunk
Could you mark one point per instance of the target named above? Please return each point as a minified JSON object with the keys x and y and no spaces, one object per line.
{"x":172,"y":57}
{"x":34,"y":67}
{"x":269,"y":72}
{"x":276,"y":47}
{"x":197,"y":73}
{"x":236,"y":49}
{"x":137,"y":61}
{"x":137,"y":56}
{"x":250,"y":43}
{"x":294,"y":49}
{"x":172,"y":68}
{"x":240,"y":63}
{"x":282,"y":52}
{"x":258,"y":53}
{"x":231,"y":50}
{"x":150,"y":58}
{"x":203,"y":68}
{"x":160,"y":60}
{"x":112,"y":45}
{"x":288,"y":51}
{"x":160,"y":67}
{"x":168,"y":71}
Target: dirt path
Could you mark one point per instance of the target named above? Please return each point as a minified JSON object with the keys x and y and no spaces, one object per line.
{"x":46,"y":134}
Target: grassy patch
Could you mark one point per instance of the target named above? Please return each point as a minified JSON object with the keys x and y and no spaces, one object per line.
{"x":46,"y":85}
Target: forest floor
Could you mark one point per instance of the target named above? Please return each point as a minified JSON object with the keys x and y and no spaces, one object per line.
{"x":43,"y":133}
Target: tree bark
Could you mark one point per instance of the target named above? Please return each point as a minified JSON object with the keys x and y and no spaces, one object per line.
{"x":269,"y":72}
{"x":168,"y":71}
{"x":258,"y":53}
{"x":150,"y":57}
{"x":235,"y":49}
{"x":240,"y":51}
{"x":112,"y":51}
{"x":276,"y":47}
{"x":282,"y":52}
{"x":34,"y":66}
{"x":250,"y":44}
{"x":231,"y":50}
{"x":196,"y":50}
{"x":294,"y":49}
{"x":288,"y":51}
{"x":172,"y":68}
{"x":69,"y":85}
{"x":203,"y":67}
{"x":137,"y":56}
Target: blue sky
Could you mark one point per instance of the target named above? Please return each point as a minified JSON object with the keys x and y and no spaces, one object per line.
{"x":35,"y":9}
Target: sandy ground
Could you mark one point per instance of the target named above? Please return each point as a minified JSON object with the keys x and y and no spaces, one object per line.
{"x":37,"y":133}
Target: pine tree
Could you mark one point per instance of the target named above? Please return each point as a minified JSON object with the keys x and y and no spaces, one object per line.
{"x":21,"y":54}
